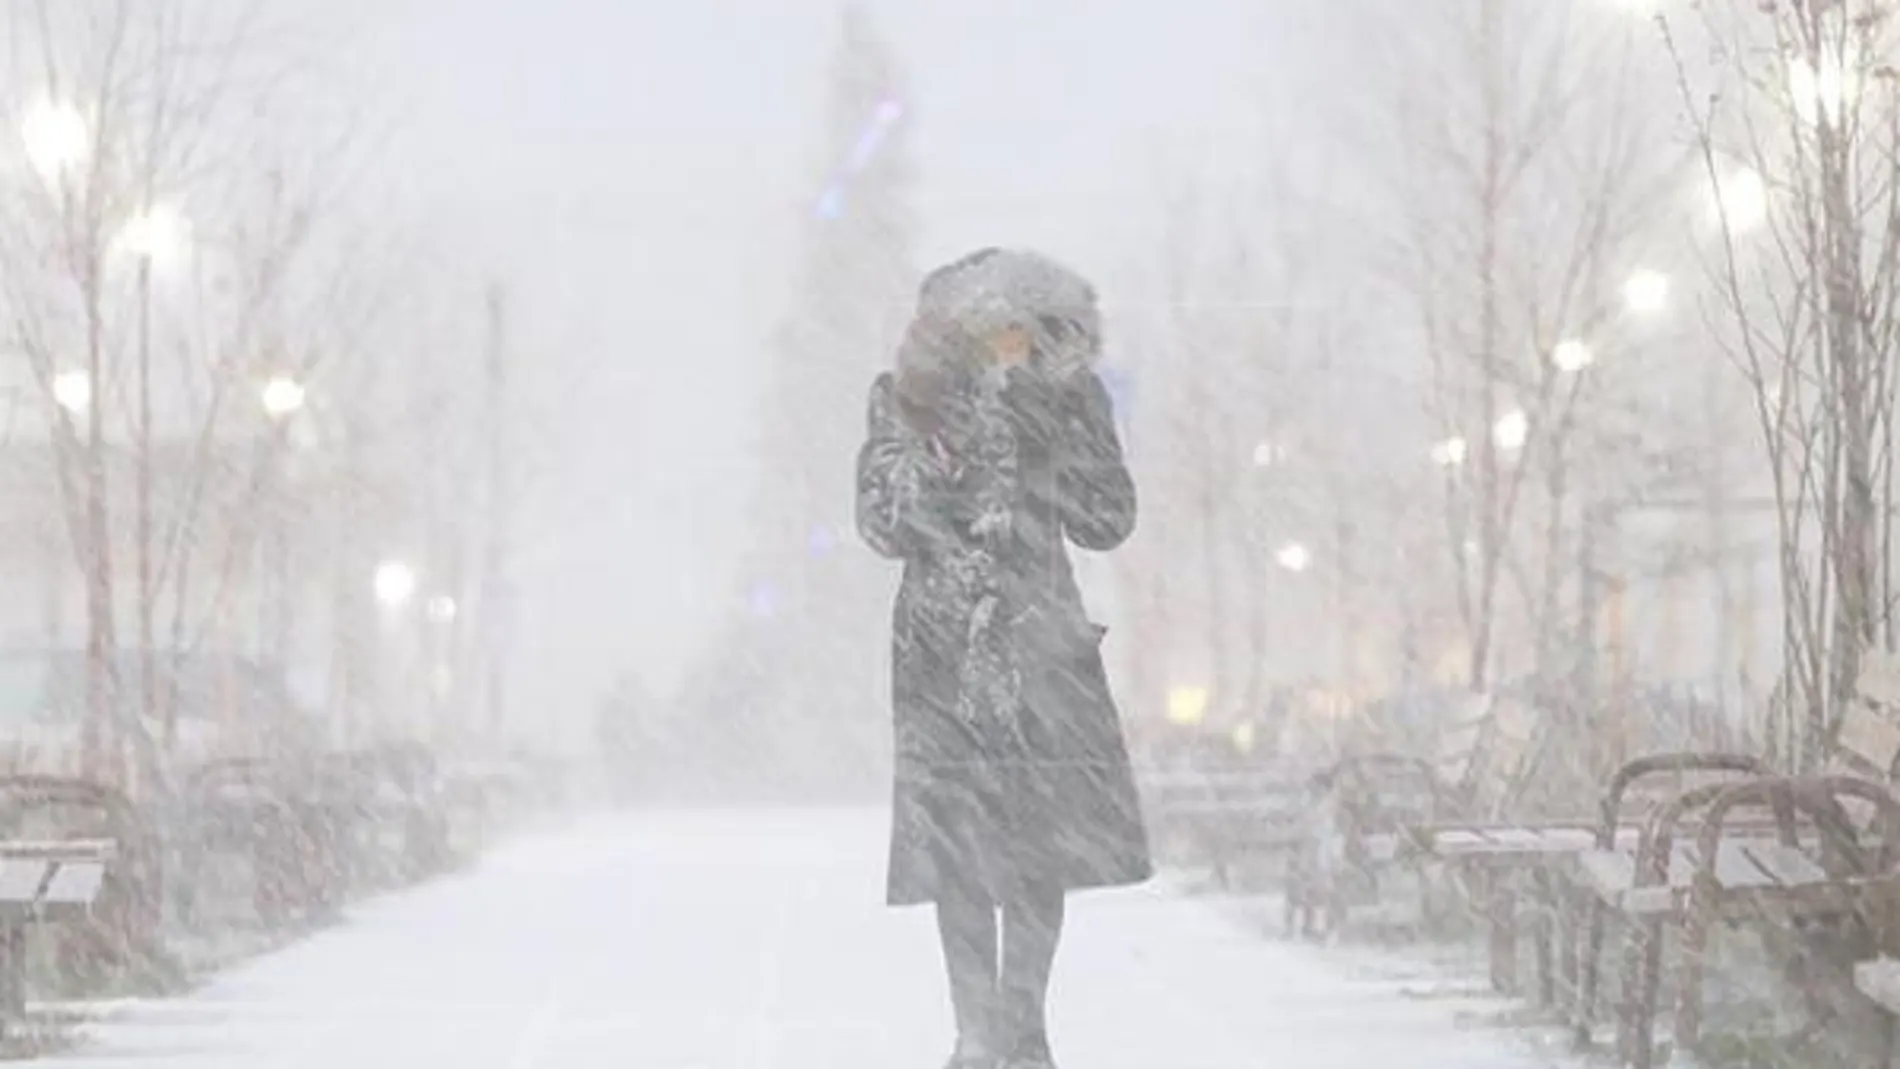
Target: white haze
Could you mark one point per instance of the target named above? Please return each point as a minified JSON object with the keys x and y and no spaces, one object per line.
{"x":633,"y":170}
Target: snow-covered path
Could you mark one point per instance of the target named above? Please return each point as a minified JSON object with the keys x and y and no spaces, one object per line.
{"x":758,"y":941}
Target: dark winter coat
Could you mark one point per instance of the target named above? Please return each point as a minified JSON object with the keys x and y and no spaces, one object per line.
{"x":1055,"y":805}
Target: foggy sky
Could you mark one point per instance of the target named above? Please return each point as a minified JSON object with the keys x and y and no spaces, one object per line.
{"x":632,"y":169}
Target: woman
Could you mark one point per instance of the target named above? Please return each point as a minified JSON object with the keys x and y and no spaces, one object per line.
{"x":991,"y":443}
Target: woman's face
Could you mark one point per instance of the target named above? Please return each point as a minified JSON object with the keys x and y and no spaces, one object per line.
{"x":1011,"y":346}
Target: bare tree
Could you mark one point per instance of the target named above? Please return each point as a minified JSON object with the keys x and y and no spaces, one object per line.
{"x":1529,"y":173}
{"x":171,"y":283}
{"x":1796,"y":123}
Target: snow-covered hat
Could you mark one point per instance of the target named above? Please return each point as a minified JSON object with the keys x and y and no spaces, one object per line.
{"x":994,"y":289}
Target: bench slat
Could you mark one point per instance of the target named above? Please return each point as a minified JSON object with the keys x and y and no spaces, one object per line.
{"x":102,"y":849}
{"x":20,"y":879}
{"x":1879,"y":677}
{"x":1786,"y":865}
{"x":75,"y":884}
{"x":1879,"y":980}
{"x":1870,"y":735}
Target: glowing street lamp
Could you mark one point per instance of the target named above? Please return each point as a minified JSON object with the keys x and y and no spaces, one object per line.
{"x":281,"y":397}
{"x":395,"y":583}
{"x":1572,"y":355}
{"x":57,"y":138}
{"x":1741,"y":200}
{"x":158,"y":235}
{"x":1294,"y":557}
{"x":72,"y":391}
{"x":1187,"y":705}
{"x":1823,"y":93}
{"x":1450,"y":453}
{"x":441,"y":609}
{"x":1513,"y":429}
{"x":1646,"y":292}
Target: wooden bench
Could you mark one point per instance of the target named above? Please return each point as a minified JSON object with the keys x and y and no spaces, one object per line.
{"x":1376,"y":811}
{"x":1226,"y":817}
{"x":1867,"y":742}
{"x":42,"y":882}
{"x":1785,"y":849}
{"x":1694,"y":867}
{"x":1454,"y":814}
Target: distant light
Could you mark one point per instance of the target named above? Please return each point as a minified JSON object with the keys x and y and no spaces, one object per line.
{"x":764,"y":600}
{"x":821,"y":540}
{"x":1244,"y":737}
{"x":72,"y":391}
{"x":1572,"y":356}
{"x":1741,"y":200}
{"x":1821,"y":94}
{"x":441,"y":609}
{"x":1646,"y":292}
{"x":1450,"y":453}
{"x":1187,"y":705}
{"x":395,"y":583}
{"x":158,"y":235}
{"x":1512,"y":431}
{"x":57,"y":138}
{"x":1267,"y":454}
{"x":282,"y":396}
{"x":1294,"y":557}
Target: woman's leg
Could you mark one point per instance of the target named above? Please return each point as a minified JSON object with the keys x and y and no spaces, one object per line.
{"x":1032,"y":928}
{"x":966,"y":921}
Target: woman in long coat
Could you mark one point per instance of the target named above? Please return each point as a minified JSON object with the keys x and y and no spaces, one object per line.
{"x":990,"y":444}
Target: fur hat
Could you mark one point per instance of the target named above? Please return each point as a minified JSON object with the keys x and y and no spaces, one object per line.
{"x":994,"y":289}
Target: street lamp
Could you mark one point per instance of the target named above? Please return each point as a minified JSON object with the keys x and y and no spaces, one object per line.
{"x":1646,"y":292}
{"x":1294,"y":557}
{"x":1821,"y":93}
{"x":395,"y":583}
{"x":1572,"y":355}
{"x":281,"y":397}
{"x":56,"y":137}
{"x":157,"y":235}
{"x":1450,"y":453}
{"x":1187,"y":705}
{"x":1513,"y":429}
{"x":1268,"y":453}
{"x":72,"y":391}
{"x":441,"y":609}
{"x":1741,"y":200}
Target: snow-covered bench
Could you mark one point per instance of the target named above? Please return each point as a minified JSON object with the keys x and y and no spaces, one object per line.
{"x":40,"y":882}
{"x":1816,"y":851}
{"x":1226,"y":817}
{"x":1377,"y":811}
{"x":1695,"y":866}
{"x":1455,"y":814}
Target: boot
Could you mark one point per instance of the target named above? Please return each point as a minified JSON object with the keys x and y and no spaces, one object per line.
{"x":1025,"y":1038}
{"x":976,"y":1048}
{"x":979,"y":1039}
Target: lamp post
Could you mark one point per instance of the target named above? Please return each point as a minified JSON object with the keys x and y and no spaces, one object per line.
{"x":154,"y":234}
{"x":281,"y":398}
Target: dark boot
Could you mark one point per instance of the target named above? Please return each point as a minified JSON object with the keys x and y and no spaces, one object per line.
{"x":1031,"y":1051}
{"x":1031,"y":931}
{"x":969,"y":951}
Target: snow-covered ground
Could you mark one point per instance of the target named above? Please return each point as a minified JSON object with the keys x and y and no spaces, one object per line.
{"x":758,"y":940}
